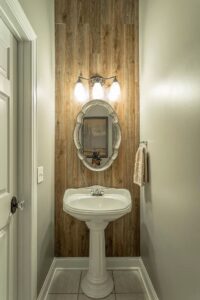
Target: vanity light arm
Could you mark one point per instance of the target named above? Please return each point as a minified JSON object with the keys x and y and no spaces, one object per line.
{"x":112,"y":77}
{"x":84,"y":78}
{"x":93,"y":77}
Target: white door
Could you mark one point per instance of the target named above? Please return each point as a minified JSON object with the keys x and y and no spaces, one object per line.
{"x":8,"y":163}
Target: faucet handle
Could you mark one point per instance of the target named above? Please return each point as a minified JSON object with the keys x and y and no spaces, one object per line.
{"x":97,"y":191}
{"x":102,"y":191}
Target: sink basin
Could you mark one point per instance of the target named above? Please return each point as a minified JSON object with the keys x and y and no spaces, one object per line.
{"x":97,"y":206}
{"x":84,"y":206}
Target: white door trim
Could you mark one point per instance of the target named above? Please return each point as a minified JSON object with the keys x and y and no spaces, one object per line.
{"x":16,"y":20}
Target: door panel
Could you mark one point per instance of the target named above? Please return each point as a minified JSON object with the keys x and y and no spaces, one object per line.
{"x":3,"y":264}
{"x":4,"y":49}
{"x":4,"y":176}
{"x":4,"y":61}
{"x":8,"y":179}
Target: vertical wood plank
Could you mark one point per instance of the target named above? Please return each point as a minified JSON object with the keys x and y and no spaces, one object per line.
{"x":96,"y":36}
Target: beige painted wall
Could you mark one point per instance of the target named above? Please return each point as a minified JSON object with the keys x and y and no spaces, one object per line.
{"x":170,"y":122}
{"x":41,"y":16}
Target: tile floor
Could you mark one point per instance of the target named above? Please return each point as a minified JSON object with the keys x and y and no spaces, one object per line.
{"x":127,"y":286}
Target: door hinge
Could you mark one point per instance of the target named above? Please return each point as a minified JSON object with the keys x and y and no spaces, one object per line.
{"x":16,"y":205}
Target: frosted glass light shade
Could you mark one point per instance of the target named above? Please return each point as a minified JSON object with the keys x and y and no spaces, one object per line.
{"x":115,"y":91}
{"x":97,"y":91}
{"x":80,"y":92}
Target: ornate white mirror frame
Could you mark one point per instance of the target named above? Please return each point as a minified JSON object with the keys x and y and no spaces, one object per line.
{"x":116,"y":128}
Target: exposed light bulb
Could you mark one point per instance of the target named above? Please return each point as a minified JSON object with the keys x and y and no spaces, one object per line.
{"x":97,"y":91}
{"x":80,"y":92}
{"x":115,"y":91}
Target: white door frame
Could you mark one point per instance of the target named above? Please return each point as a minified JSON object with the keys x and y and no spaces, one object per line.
{"x":16,"y":20}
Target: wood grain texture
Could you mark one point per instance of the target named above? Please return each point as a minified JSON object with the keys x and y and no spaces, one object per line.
{"x":96,"y":36}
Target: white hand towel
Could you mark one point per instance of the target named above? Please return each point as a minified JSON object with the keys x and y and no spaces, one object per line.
{"x":140,"y":170}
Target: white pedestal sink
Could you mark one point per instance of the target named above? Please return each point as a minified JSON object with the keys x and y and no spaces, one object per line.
{"x":97,"y":206}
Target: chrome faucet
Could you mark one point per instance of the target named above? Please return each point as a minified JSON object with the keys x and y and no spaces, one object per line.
{"x":97,"y":191}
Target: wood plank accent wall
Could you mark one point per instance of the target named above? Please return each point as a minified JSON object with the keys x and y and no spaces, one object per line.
{"x":96,"y":36}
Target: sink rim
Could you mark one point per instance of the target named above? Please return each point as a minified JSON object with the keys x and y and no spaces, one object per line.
{"x":68,"y":208}
{"x":97,"y":212}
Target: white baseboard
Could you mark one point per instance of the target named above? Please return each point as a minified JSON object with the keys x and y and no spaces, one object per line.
{"x":81,"y":263}
{"x":113,"y":263}
{"x":147,"y":281}
{"x":45,"y":288}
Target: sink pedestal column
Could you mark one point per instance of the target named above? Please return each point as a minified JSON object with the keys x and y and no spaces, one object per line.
{"x":97,"y":283}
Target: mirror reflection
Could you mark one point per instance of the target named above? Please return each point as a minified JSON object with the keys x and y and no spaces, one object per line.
{"x":95,"y":138}
{"x":97,"y":135}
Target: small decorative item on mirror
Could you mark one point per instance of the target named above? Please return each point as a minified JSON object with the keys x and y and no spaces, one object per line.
{"x":96,"y":159}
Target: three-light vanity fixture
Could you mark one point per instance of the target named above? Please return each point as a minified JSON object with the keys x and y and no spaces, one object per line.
{"x":98,"y":91}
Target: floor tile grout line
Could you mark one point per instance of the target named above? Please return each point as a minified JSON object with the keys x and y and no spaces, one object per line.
{"x":79,"y":286}
{"x":132,"y":293}
{"x":113,"y":282}
{"x":122,"y":293}
{"x":113,"y":285}
{"x":62,"y":293}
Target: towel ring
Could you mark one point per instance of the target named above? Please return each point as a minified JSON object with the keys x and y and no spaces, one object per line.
{"x":144,"y":142}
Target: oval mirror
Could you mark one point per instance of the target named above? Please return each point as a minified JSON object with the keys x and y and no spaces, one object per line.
{"x":97,"y":135}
